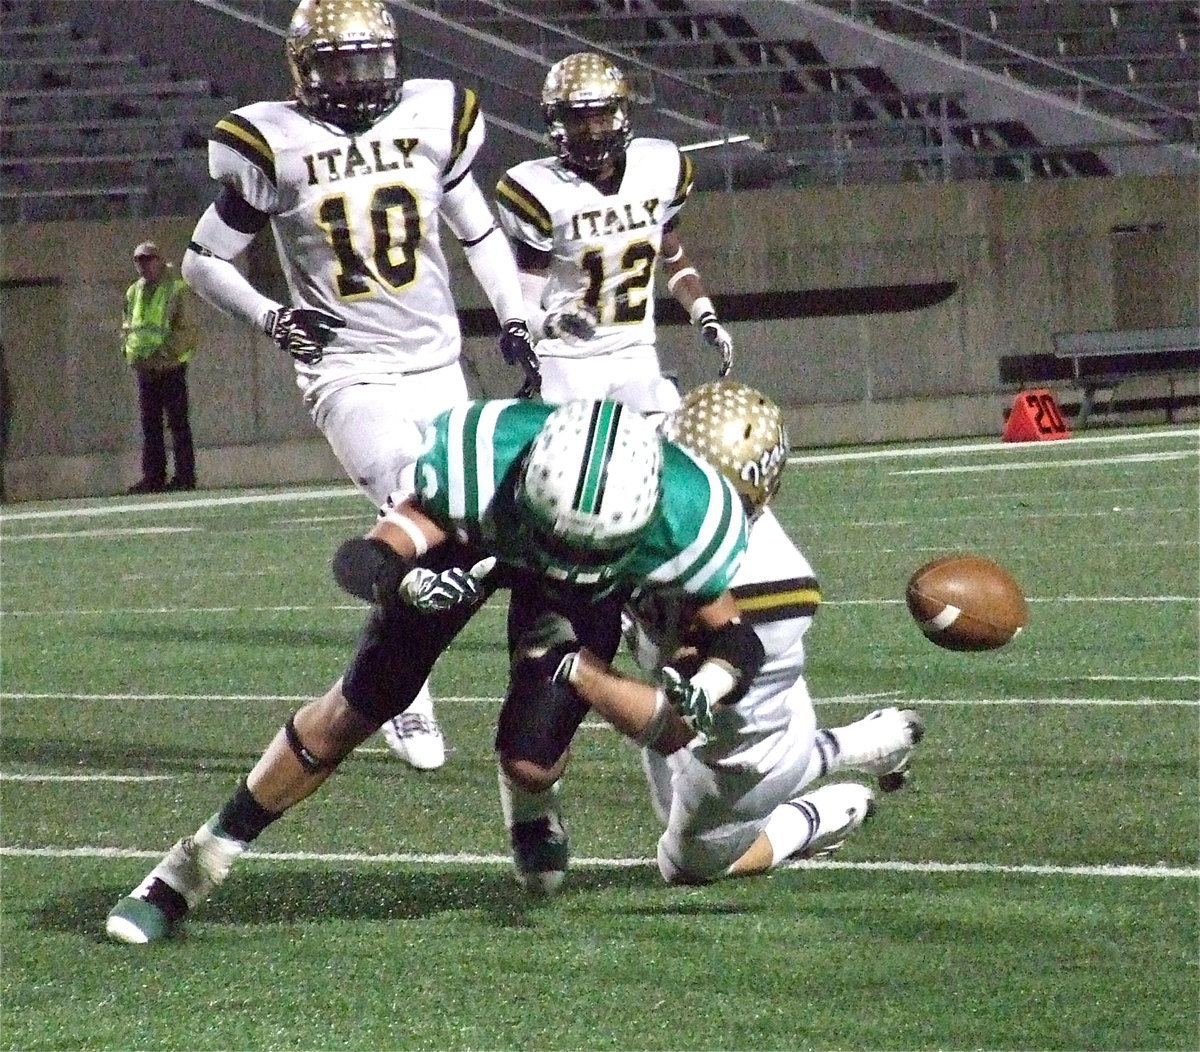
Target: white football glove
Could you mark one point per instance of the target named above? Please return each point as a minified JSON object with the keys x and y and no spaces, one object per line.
{"x":433,"y":592}
{"x":690,"y":701}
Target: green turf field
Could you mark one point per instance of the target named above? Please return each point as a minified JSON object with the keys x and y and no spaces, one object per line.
{"x":1037,"y":887}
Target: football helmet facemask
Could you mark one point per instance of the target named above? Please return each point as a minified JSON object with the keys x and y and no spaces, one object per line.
{"x":343,"y":57}
{"x":585,"y":102}
{"x":589,"y":486}
{"x":740,"y":432}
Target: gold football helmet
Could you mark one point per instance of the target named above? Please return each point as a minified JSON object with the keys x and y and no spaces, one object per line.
{"x":740,"y":432}
{"x":342,"y":55}
{"x":585,"y":101}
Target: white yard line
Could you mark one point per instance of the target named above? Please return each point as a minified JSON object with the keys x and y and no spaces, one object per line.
{"x":1066,"y":462}
{"x":86,"y":777}
{"x":188,"y":611}
{"x":1109,"y":870}
{"x":324,"y":493}
{"x":847,"y":699}
{"x":190,"y":503}
{"x":994,"y":447}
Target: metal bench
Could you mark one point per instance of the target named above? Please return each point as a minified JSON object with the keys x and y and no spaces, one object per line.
{"x":1103,"y":358}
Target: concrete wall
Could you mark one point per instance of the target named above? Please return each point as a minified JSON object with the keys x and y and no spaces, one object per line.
{"x":1027,"y":260}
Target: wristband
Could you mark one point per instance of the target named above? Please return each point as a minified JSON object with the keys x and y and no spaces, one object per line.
{"x":701,"y":306}
{"x":679,"y":275}
{"x":420,"y":542}
{"x":649,"y":734}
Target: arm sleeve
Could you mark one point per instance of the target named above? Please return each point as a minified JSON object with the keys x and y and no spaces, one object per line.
{"x":208,"y":269}
{"x":488,"y":252}
{"x":532,"y":287}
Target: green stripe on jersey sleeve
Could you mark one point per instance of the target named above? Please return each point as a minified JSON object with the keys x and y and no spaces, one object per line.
{"x":702,"y":530}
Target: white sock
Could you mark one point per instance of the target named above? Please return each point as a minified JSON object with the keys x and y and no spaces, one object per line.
{"x":789,"y":827}
{"x":520,"y":805}
{"x":423,"y":703}
{"x":221,"y":850}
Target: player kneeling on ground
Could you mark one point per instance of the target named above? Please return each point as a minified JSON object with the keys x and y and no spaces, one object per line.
{"x":731,"y":797}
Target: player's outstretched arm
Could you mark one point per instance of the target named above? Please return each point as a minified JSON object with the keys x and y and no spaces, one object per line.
{"x":380,"y":567}
{"x":667,"y":717}
{"x":683,"y":282}
{"x":641,"y":712}
{"x":222,"y":234}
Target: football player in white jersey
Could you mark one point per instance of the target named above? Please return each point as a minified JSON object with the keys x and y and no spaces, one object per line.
{"x":731,"y":801}
{"x":589,"y":227}
{"x":355,"y":176}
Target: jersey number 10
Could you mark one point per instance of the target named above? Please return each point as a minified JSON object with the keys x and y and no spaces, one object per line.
{"x":395,"y":259}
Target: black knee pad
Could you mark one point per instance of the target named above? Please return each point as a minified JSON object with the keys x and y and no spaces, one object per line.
{"x":539,"y":717}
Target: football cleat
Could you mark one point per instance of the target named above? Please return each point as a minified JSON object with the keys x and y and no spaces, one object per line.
{"x":186,"y":876}
{"x":415,"y":736}
{"x":881,"y":744}
{"x":834,"y":812}
{"x":541,"y":853}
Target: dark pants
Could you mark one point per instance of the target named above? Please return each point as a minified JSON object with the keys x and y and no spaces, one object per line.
{"x":399,"y":646}
{"x":165,"y":395}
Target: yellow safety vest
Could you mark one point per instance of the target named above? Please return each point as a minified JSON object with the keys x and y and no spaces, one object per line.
{"x":148,"y":332}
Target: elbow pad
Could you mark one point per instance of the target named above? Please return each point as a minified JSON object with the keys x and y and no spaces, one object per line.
{"x":369,"y":569}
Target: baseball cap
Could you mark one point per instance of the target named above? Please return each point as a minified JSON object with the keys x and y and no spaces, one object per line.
{"x":147,"y":250}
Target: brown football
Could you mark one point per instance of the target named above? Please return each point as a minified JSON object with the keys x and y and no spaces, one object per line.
{"x":966,"y":602}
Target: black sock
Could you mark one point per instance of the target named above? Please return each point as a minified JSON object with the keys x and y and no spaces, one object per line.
{"x":244,"y":818}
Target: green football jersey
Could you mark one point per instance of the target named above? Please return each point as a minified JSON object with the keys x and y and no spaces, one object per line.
{"x":467,"y":479}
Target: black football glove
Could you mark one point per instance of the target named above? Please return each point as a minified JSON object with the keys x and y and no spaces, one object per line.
{"x":717,"y":336}
{"x":302,"y":332}
{"x":516,"y":347}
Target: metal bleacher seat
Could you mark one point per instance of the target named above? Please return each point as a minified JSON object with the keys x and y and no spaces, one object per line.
{"x":89,"y":133}
{"x":774,"y":93}
{"x":762,"y":69}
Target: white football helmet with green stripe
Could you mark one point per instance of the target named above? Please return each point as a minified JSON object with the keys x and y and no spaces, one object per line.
{"x":592,"y":479}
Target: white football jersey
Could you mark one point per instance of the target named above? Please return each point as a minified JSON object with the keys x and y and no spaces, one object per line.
{"x":356,"y":222}
{"x":603,"y":246}
{"x":777,"y":593}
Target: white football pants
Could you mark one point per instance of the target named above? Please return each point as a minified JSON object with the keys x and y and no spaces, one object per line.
{"x":374,"y":428}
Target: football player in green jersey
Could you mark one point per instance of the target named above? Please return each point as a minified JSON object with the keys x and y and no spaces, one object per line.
{"x":572,"y":508}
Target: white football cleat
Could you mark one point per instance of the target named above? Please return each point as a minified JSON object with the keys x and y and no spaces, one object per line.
{"x":881,"y":744}
{"x":417,"y":739}
{"x":833,"y":812}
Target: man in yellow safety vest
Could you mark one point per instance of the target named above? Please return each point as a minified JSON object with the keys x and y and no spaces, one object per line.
{"x":158,"y":343}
